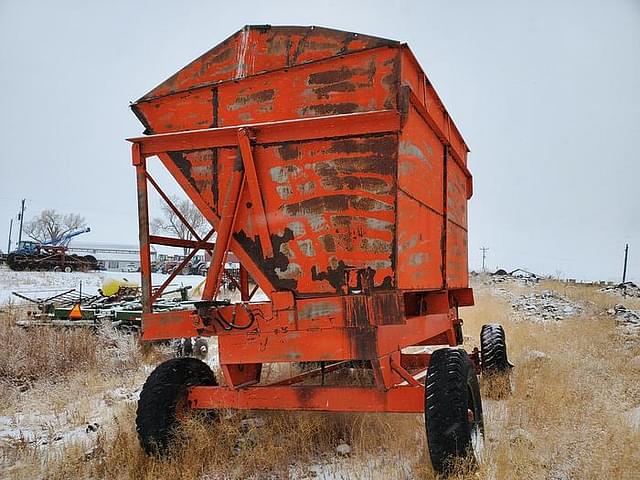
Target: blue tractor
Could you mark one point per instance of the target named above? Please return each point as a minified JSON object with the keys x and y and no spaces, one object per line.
{"x":51,"y":255}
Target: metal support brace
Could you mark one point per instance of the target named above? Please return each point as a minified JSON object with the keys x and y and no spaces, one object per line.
{"x":254,"y":190}
{"x":143,"y":226}
{"x":225,"y":229}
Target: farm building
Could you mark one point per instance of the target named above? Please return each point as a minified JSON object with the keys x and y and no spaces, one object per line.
{"x":112,"y":257}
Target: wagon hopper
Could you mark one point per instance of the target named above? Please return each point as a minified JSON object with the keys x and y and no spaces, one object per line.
{"x":326,"y":162}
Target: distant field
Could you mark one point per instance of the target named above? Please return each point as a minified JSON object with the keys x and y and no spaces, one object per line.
{"x":68,"y":399}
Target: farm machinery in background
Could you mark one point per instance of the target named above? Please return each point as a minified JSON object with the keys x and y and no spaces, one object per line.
{"x":51,"y":255}
{"x":116,"y":302}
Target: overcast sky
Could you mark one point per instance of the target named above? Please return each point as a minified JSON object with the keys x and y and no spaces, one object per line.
{"x":546,"y":94}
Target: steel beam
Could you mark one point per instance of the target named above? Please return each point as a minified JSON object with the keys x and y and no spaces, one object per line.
{"x":273,"y":132}
{"x":399,"y":399}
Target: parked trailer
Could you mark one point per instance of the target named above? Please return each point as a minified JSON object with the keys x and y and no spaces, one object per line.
{"x":51,"y":255}
{"x":50,"y":258}
{"x":328,"y":165}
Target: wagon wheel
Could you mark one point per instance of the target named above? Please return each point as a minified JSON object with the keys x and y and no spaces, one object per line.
{"x":200,"y":348}
{"x":493,"y":349}
{"x":163,"y":401}
{"x":453,"y":409}
{"x":16,"y":262}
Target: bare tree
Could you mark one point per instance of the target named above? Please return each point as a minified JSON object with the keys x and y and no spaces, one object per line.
{"x":50,"y":225}
{"x":169,"y":222}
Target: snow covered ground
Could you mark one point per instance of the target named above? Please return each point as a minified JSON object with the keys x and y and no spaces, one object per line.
{"x":47,"y":284}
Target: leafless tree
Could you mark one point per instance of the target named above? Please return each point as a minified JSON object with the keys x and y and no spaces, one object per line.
{"x":51,"y":225}
{"x":170,"y":223}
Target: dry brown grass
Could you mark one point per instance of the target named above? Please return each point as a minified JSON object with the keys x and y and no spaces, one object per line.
{"x":46,"y":356}
{"x":589,"y":295}
{"x":564,"y":419}
{"x":566,"y":416}
{"x":286,"y":445}
{"x":28,"y":357}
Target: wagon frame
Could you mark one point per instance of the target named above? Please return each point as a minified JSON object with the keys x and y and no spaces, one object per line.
{"x":339,"y":312}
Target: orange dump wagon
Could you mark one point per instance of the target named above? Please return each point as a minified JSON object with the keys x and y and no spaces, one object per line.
{"x":326,"y":162}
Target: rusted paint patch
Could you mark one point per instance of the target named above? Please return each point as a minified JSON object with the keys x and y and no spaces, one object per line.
{"x":297,"y":228}
{"x":328,"y":243}
{"x":381,"y":146}
{"x":285,"y":249}
{"x":329,"y":109}
{"x":323,"y":92}
{"x":283,"y":174}
{"x":346,"y":221}
{"x":269,"y":266}
{"x":391,"y":81}
{"x":292,"y":272}
{"x":306,"y":188}
{"x":335,"y":276}
{"x":288,"y":151}
{"x":409,"y":148}
{"x":284,"y":191}
{"x":335,"y":203}
{"x":363,"y":342}
{"x":312,"y":310}
{"x":368,"y":184}
{"x":355,"y":307}
{"x":371,"y":164}
{"x":330,"y":76}
{"x":244,"y":99}
{"x":375,"y":245}
{"x":306,"y":247}
{"x":183,"y":164}
{"x":387,"y":308}
{"x":343,"y":79}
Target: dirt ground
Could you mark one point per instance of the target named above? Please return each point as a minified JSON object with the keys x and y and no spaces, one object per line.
{"x":68,"y":399}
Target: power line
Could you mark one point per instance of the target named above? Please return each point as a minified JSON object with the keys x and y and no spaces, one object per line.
{"x":484,"y":255}
{"x":624,"y":269}
{"x":10,"y":228}
{"x":21,"y":221}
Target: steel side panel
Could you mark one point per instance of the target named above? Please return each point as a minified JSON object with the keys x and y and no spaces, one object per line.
{"x":353,"y":83}
{"x":400,"y":399}
{"x":420,"y":162}
{"x":171,"y":324}
{"x":361,"y":82}
{"x":419,"y":265}
{"x":456,"y":194}
{"x":457,"y":248}
{"x":169,"y":114}
{"x":392,"y":338}
{"x":457,"y":266}
{"x":330,"y":205}
{"x":333,"y":344}
{"x":256,"y":49}
{"x":286,"y":346}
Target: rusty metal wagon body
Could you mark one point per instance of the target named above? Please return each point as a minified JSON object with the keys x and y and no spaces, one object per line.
{"x":326,"y":162}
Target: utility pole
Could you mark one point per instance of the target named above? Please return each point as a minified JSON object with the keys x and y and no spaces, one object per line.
{"x":624,"y":269}
{"x":10,"y":229}
{"x":484,"y":255}
{"x":21,"y":218}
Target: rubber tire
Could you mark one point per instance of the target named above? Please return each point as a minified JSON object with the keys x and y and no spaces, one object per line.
{"x":15,"y":262}
{"x":197,"y":346}
{"x":451,"y":385}
{"x":493,"y":349}
{"x":166,"y":387}
{"x":68,"y":269}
